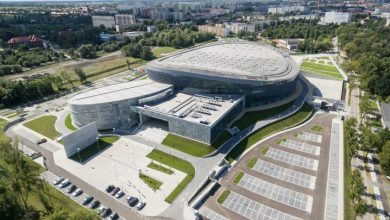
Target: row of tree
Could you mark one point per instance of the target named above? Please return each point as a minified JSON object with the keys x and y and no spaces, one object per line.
{"x":317,"y":37}
{"x":19,"y":179}
{"x":367,"y":47}
{"x":12,"y":61}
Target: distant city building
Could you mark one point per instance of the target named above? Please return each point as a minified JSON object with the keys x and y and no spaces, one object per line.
{"x":31,"y":41}
{"x":159,"y":14}
{"x":219,"y":29}
{"x":291,"y":44}
{"x":133,"y":34}
{"x":237,"y":27}
{"x":178,"y":16}
{"x":106,"y":21}
{"x":107,"y":37}
{"x":336,"y":18}
{"x":124,"y":20}
{"x":151,"y":29}
{"x":286,"y":9}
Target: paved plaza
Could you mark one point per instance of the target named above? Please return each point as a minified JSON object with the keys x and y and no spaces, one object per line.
{"x":287,"y":181}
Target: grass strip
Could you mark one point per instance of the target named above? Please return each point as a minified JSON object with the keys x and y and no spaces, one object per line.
{"x":93,"y":149}
{"x":44,"y":125}
{"x":68,"y":123}
{"x":317,"y":128}
{"x":223,"y":196}
{"x":192,"y":147}
{"x":264,"y":151}
{"x":175,"y":163}
{"x":250,"y":118}
{"x":281,"y":140}
{"x":251,"y":163}
{"x":321,"y":67}
{"x":293,"y":120}
{"x":160,"y":168}
{"x":238,"y":178}
{"x":151,"y":182}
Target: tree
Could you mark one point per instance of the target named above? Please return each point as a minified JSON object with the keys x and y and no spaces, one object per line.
{"x":66,"y":76}
{"x":357,"y":187}
{"x":146,"y":53}
{"x":87,"y":51}
{"x":384,"y":158}
{"x":360,"y":208}
{"x":81,"y":74}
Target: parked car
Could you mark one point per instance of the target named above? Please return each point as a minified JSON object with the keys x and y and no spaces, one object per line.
{"x":64,"y":183}
{"x":77,"y":192}
{"x":114,"y":216}
{"x":132,"y":202}
{"x":109,"y":188}
{"x":119,"y":194}
{"x":141,"y":205}
{"x":58,"y":180}
{"x":101,"y":210}
{"x":72,"y":188}
{"x":87,"y":200}
{"x":115,"y":191}
{"x":41,"y":141}
{"x":129,"y":198}
{"x":95,"y":204}
{"x":106,"y":212}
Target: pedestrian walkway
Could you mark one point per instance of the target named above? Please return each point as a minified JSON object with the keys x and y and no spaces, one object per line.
{"x":334,"y":207}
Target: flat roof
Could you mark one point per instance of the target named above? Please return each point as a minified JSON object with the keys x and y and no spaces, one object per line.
{"x":196,"y":108}
{"x":237,"y":59}
{"x":385,"y":110}
{"x":118,"y":92}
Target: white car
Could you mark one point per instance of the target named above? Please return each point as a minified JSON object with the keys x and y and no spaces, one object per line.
{"x":119,"y":194}
{"x":77,"y":192}
{"x":64,"y":183}
{"x":141,"y":205}
{"x":58,"y":180}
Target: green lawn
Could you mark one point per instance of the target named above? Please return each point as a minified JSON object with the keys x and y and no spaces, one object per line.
{"x":317,"y":128}
{"x":281,"y":140}
{"x":251,"y":163}
{"x":44,"y":125}
{"x":160,"y":51}
{"x":68,"y":123}
{"x":348,"y":211}
{"x":237,"y":179}
{"x":324,"y":58}
{"x":323,"y":69}
{"x":151,"y":182}
{"x":160,"y":168}
{"x":250,"y":118}
{"x":264,"y":151}
{"x":3,"y":137}
{"x":175,"y":163}
{"x":193,"y":147}
{"x":94,"y":148}
{"x":293,"y":120}
{"x":223,"y":196}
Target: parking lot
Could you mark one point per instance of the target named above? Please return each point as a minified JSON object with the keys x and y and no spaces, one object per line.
{"x":286,"y":179}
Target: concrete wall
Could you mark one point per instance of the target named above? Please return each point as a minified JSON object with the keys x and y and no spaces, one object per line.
{"x":82,"y":138}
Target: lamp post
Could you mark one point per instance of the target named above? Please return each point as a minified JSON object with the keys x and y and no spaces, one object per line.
{"x":97,"y":140}
{"x":113,"y":130}
{"x":78,"y":152}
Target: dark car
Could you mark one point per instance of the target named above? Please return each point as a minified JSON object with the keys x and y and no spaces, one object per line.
{"x":87,"y":200}
{"x":106,"y":212}
{"x":109,"y":188}
{"x":114,"y":216}
{"x":115,"y":191}
{"x":71,"y":188}
{"x":132,"y":202}
{"x":95,"y":204}
{"x":41,"y":141}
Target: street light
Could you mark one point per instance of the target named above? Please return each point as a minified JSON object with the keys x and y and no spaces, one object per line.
{"x":97,"y":140}
{"x":78,"y":152}
{"x":113,"y":130}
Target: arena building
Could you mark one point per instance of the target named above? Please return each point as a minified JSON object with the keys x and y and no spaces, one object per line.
{"x":196,"y":92}
{"x":228,"y":68}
